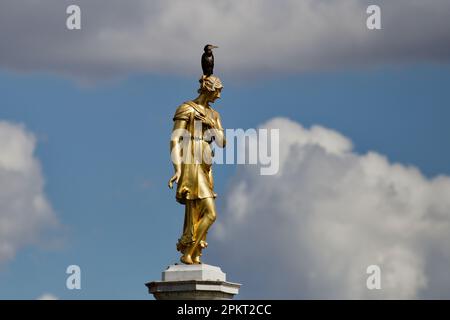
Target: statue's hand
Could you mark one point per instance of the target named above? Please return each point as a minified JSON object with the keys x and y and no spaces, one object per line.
{"x":207,"y":121}
{"x":211,"y":123}
{"x":175,"y":179}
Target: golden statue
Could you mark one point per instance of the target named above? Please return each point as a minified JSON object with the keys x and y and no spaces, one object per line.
{"x":196,"y":127}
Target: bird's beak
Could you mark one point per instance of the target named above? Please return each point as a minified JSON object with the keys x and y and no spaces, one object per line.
{"x":214,"y":47}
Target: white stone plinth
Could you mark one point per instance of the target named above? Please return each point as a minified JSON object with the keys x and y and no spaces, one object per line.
{"x":193,"y":282}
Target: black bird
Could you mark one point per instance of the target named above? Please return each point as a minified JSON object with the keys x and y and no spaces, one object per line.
{"x":208,"y":60}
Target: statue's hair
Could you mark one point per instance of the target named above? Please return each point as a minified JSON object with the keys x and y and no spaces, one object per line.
{"x":210,"y":83}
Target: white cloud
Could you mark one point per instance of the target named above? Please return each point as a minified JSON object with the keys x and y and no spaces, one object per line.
{"x":260,"y":37}
{"x":24,"y":209}
{"x":312,"y":230}
{"x":47,"y":296}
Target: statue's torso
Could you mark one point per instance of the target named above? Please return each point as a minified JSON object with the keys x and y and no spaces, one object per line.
{"x":196,"y":181}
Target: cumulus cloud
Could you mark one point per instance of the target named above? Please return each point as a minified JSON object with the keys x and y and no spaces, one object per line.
{"x":47,"y":296}
{"x":24,"y":209}
{"x":312,"y":230}
{"x":255,"y":37}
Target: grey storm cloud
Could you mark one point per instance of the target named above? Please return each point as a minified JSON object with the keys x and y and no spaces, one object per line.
{"x":263,"y":37}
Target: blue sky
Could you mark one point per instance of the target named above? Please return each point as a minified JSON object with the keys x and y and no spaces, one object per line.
{"x":100,"y":101}
{"x":104,"y":154}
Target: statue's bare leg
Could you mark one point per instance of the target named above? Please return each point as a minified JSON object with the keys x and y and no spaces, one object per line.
{"x":196,"y":256}
{"x":198,"y":251}
{"x":192,"y":214}
{"x":208,"y":216}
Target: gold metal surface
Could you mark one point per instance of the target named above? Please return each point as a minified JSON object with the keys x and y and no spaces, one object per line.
{"x":196,"y":126}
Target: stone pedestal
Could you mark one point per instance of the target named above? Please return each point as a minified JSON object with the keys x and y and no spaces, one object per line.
{"x":193,"y":282}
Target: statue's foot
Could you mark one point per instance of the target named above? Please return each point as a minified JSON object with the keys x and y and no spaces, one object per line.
{"x":196,"y":256}
{"x":186,"y":259}
{"x":196,"y":260}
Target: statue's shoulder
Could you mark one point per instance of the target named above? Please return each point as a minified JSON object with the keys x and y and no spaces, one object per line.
{"x":187,"y":106}
{"x":215,"y":113}
{"x":184,"y":111}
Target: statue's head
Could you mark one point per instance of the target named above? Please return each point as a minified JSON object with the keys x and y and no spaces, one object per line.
{"x":210,"y":87}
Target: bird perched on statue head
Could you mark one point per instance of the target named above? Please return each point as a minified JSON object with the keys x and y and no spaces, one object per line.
{"x":208,"y":60}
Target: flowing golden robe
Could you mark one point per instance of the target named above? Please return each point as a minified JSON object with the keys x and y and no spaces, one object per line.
{"x":196,"y":180}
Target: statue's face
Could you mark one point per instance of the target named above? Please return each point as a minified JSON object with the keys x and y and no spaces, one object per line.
{"x":215,"y":95}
